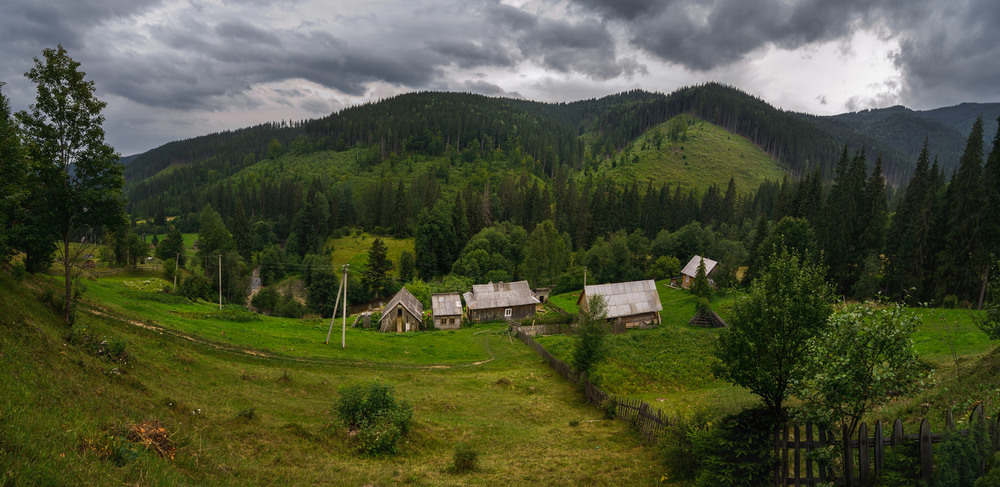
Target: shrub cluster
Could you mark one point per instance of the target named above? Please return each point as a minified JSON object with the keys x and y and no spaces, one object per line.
{"x":736,"y":450}
{"x":377,"y":417}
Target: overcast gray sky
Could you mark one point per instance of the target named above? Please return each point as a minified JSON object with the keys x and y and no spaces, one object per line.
{"x":172,"y":69}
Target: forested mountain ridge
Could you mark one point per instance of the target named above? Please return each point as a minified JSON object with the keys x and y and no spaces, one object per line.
{"x":583,"y":132}
{"x":903,"y":131}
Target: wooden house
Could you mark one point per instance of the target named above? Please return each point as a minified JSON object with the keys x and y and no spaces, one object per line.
{"x":691,"y":270}
{"x":499,"y":301}
{"x":446,"y":311}
{"x":633,"y":304}
{"x":402,"y":313}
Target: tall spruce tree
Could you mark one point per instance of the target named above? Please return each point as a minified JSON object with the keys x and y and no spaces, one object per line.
{"x":991,"y":211}
{"x":13,"y":174}
{"x":78,"y":174}
{"x":907,"y":243}
{"x":960,"y":263}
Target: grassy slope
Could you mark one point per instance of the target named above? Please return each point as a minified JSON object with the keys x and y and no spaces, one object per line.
{"x":670,"y":366}
{"x":57,"y":400}
{"x":353,"y":249}
{"x":709,"y":155}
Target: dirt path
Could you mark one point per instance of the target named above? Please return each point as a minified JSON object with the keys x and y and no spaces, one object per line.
{"x":105,"y":313}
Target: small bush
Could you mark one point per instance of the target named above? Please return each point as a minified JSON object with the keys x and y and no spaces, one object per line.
{"x":379,"y":419}
{"x":248,"y":414}
{"x":610,"y":408}
{"x":739,"y":447}
{"x":574,"y":423}
{"x":950,"y":301}
{"x":675,"y":447}
{"x":18,"y":271}
{"x":465,"y":458}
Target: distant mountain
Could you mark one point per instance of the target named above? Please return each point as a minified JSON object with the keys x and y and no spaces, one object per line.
{"x":902,"y":131}
{"x":574,"y":135}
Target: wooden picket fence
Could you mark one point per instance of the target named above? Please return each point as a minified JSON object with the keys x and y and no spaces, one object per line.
{"x":796,"y":467}
{"x":648,"y":421}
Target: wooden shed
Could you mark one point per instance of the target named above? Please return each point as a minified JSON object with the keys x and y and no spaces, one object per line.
{"x":402,"y":313}
{"x":633,"y":304}
{"x":446,"y":310}
{"x":691,"y":270}
{"x":499,"y":301}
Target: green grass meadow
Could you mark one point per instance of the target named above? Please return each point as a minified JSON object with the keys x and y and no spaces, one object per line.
{"x":65,"y":414}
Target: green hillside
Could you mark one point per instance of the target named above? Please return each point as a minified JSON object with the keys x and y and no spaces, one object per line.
{"x":249,"y":402}
{"x":705,"y":155}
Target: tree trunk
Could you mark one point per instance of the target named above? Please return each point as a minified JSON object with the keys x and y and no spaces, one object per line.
{"x":69,"y":283}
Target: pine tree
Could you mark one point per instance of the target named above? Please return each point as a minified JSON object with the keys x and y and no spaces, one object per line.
{"x":13,"y":175}
{"x":873,"y":214}
{"x":960,"y":263}
{"x":907,"y":240}
{"x":991,"y":209}
{"x":376,"y":275}
{"x":241,"y":231}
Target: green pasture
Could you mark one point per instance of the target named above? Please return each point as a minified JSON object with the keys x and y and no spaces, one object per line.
{"x":262,"y":419}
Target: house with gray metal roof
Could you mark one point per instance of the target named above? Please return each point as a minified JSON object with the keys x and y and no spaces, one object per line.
{"x":633,"y":304}
{"x":402,"y":313}
{"x":499,"y":301}
{"x":446,"y":311}
{"x":691,"y":270}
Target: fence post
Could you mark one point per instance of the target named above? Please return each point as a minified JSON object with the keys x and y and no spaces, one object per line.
{"x":784,"y":455}
{"x":879,"y":448}
{"x":824,"y":440}
{"x":797,"y":457}
{"x":926,"y":455}
{"x":809,"y":449}
{"x":778,"y":481}
{"x":949,"y":420}
{"x":863,"y":460}
{"x":897,"y":433}
{"x":848,"y":459}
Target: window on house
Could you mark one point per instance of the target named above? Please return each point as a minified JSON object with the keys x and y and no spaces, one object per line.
{"x":507,"y":312}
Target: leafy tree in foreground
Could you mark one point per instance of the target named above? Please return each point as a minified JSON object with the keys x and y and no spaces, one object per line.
{"x":862,"y":359}
{"x":589,"y":346}
{"x":78,"y":173}
{"x":769,"y":330}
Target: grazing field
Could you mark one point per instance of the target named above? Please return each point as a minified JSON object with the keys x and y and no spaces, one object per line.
{"x":707,"y":155}
{"x":353,"y":249}
{"x":244,"y":408}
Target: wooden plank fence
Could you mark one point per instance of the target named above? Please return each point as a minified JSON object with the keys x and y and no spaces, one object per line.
{"x":796,"y":467}
{"x":648,"y":421}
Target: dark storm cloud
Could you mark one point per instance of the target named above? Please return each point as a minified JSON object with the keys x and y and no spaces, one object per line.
{"x":582,"y":46}
{"x":468,"y":54}
{"x":950,"y":55}
{"x":948,"y":50}
{"x":24,"y":26}
{"x":485,"y":88}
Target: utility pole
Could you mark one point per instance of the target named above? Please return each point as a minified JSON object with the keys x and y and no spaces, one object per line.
{"x":220,"y":281}
{"x":343,"y":335}
{"x":585,"y":276}
{"x":336,"y":304}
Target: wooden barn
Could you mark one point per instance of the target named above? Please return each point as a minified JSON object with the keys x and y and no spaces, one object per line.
{"x":691,"y":269}
{"x":402,"y":313}
{"x":633,"y":304}
{"x":446,"y":310}
{"x":499,"y":301}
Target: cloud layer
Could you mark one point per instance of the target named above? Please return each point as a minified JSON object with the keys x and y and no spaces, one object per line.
{"x":177,"y":68}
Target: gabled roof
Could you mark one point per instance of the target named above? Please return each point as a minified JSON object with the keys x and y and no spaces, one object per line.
{"x":410,"y":303}
{"x":691,"y":269}
{"x":446,"y":304}
{"x":626,"y":298}
{"x":500,"y":295}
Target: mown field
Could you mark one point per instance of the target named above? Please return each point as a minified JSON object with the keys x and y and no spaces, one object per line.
{"x":249,"y":402}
